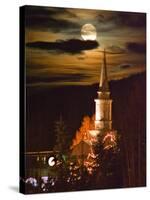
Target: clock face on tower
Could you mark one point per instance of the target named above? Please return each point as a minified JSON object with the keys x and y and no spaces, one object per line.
{"x":51,"y":161}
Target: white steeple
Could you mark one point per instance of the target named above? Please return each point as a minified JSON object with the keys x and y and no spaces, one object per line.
{"x":103,"y":104}
{"x":103,"y":84}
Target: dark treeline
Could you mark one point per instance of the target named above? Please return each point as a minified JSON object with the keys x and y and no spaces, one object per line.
{"x":129,"y":98}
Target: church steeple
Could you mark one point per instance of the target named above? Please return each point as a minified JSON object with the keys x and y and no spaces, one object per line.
{"x":103,"y":84}
{"x":103,"y":104}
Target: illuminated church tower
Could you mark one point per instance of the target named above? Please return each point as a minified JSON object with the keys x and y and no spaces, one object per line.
{"x":103,"y":103}
{"x":102,"y":123}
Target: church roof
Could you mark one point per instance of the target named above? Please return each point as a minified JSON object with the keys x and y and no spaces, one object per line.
{"x":82,"y":149}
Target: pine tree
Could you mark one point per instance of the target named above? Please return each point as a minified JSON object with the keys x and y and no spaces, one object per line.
{"x":62,"y":137}
{"x":107,"y":173}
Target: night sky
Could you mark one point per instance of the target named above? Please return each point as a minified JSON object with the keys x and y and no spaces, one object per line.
{"x":57,"y":55}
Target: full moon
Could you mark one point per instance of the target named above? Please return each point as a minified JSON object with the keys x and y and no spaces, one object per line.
{"x":88,"y":32}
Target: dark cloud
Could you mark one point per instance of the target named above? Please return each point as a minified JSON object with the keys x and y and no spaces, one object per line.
{"x":115,"y":49}
{"x":110,"y":20}
{"x":73,"y":46}
{"x":57,"y":78}
{"x":100,"y":18}
{"x":42,"y":18}
{"x":131,"y":19}
{"x":136,"y":47}
{"x":125,"y":66}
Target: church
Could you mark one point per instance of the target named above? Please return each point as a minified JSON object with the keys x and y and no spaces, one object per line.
{"x":103,"y":103}
{"x":103,"y":117}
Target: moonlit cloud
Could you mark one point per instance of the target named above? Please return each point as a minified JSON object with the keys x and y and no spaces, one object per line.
{"x":62,"y":57}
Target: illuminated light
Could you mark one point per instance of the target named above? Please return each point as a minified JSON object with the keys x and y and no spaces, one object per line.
{"x":110,"y":140}
{"x":44,"y":179}
{"x":51,"y":161}
{"x":110,"y":136}
{"x":32,"y":181}
{"x":68,"y":180}
{"x":38,"y":158}
{"x":92,"y":155}
{"x":53,"y":183}
{"x":44,"y":159}
{"x":108,"y":147}
{"x":42,"y":185}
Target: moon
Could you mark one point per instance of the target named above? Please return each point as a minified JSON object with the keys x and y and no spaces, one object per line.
{"x":88,"y":32}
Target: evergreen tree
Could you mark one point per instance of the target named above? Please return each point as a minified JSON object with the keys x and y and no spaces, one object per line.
{"x":62,"y":137}
{"x":107,"y":173}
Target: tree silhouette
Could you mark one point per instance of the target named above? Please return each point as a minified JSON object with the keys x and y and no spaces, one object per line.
{"x":62,"y":137}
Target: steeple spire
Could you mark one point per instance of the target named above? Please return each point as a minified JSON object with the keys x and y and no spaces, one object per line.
{"x":103,"y":84}
{"x":103,"y":108}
